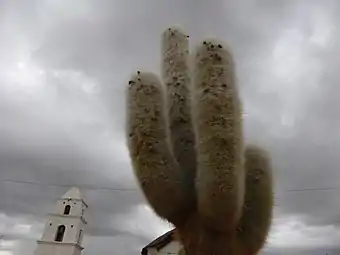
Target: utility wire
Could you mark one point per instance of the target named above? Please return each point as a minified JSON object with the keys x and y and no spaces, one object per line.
{"x":312,"y":189}
{"x":88,"y":187}
{"x":91,"y":187}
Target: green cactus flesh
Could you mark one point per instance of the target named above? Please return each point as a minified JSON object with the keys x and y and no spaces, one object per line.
{"x":185,"y":139}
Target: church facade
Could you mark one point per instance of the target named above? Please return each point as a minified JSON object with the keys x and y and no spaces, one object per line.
{"x":64,"y":229}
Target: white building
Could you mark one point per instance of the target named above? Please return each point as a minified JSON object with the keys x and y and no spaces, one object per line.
{"x":64,"y":228}
{"x":163,"y":245}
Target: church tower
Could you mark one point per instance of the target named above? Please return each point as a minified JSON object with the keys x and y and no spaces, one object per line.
{"x":64,"y":228}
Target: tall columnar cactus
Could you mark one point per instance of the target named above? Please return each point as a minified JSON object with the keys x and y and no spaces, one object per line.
{"x":185,"y":139}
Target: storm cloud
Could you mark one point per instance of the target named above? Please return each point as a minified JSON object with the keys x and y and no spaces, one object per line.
{"x":63,"y":71}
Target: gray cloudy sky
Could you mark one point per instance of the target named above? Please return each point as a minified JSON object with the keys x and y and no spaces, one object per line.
{"x":63,"y":68}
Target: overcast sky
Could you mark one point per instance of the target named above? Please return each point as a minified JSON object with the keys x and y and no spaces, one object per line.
{"x":63,"y":69}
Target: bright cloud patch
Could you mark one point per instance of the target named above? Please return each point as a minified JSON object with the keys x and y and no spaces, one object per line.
{"x":143,"y":221}
{"x":292,"y":232}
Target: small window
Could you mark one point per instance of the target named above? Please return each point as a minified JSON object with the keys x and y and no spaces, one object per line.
{"x":67,"y":210}
{"x":60,"y":233}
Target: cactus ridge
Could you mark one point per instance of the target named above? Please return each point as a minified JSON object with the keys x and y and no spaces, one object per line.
{"x":186,"y":143}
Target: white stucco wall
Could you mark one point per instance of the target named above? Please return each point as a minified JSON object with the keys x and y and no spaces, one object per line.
{"x":152,"y":251}
{"x":77,"y":206}
{"x":171,"y":248}
{"x":73,"y":226}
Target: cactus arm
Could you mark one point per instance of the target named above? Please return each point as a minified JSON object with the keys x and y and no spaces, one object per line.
{"x":154,"y":165}
{"x":218,"y":127}
{"x":176,"y":77}
{"x":256,"y":219}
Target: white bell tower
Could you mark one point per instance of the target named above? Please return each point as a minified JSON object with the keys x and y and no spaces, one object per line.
{"x":64,"y":228}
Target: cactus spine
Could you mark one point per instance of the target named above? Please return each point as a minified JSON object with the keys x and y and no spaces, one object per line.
{"x":186,"y":144}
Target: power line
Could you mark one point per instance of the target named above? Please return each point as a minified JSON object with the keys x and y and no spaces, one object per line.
{"x":312,"y":189}
{"x":91,"y":187}
{"x":88,"y":187}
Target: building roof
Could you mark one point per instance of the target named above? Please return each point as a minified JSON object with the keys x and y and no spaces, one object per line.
{"x":73,"y":193}
{"x":160,"y":242}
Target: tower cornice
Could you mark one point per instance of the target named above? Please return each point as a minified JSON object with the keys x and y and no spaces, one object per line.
{"x":58,"y":243}
{"x":68,"y":216}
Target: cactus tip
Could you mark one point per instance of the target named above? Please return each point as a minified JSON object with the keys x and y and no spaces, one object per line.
{"x":174,"y":31}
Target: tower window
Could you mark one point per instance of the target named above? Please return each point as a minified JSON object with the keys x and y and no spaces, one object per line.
{"x":67,"y":210}
{"x":60,"y":233}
